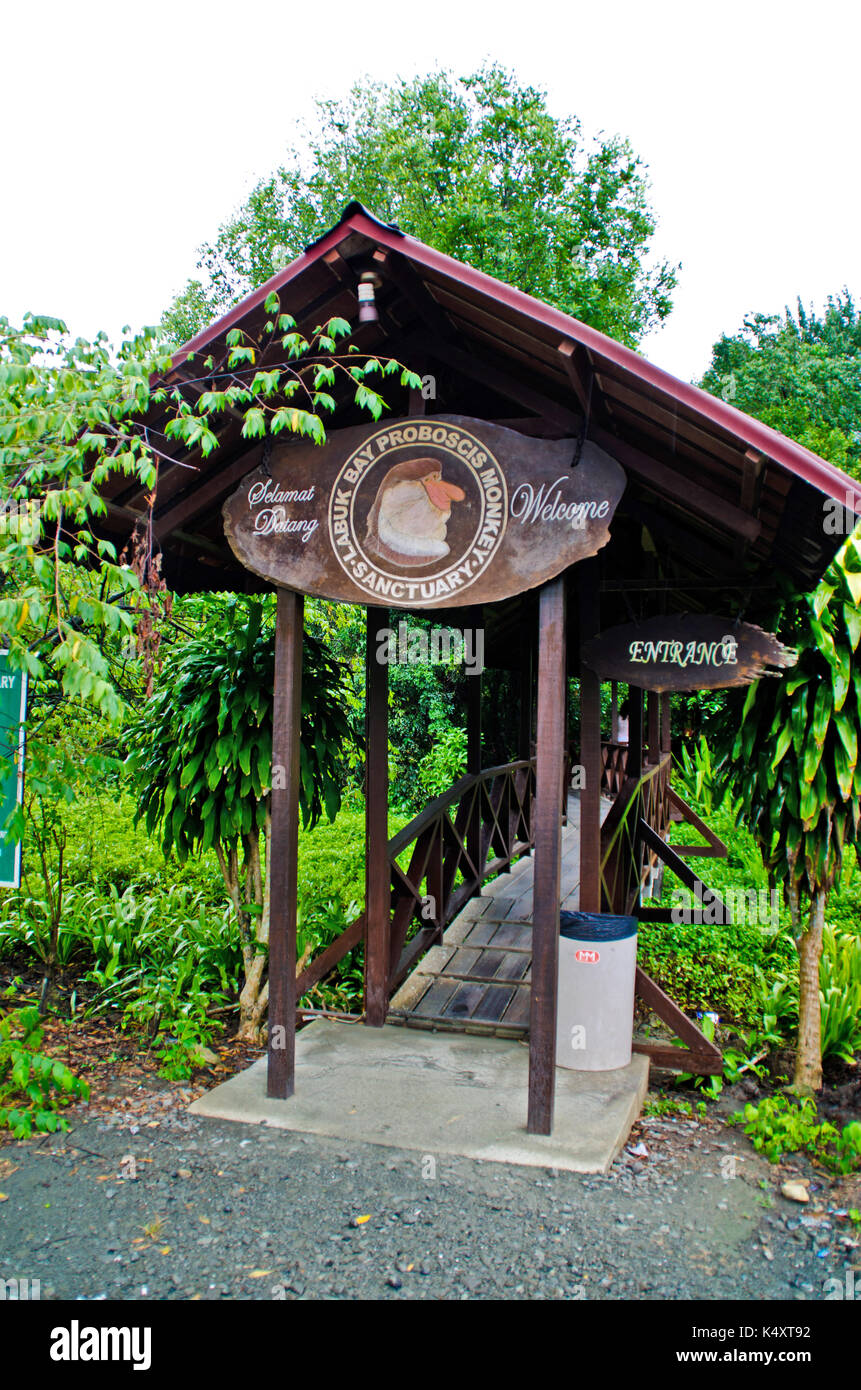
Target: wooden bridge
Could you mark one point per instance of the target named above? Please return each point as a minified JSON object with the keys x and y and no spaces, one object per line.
{"x":462,"y":899}
{"x":477,"y":978}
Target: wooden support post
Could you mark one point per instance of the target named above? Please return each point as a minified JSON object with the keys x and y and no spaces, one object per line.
{"x":635,"y":732}
{"x":377,"y":871}
{"x":284,"y":845}
{"x":474,"y":684}
{"x":666,"y":730}
{"x":548,"y":855}
{"x":653,"y":706}
{"x":590,"y":745}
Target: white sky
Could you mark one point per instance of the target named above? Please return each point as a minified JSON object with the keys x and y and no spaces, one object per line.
{"x":133,"y":130}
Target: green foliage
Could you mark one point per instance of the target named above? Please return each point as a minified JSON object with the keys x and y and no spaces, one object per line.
{"x":444,"y":764}
{"x":159,"y":947}
{"x":781,"y":1124}
{"x":670,"y":1105}
{"x":749,"y":973}
{"x":708,"y":966}
{"x":65,"y":427}
{"x":794,"y":755}
{"x":801,"y":374}
{"x":840,"y":994}
{"x":173,"y":1006}
{"x":696,"y":774}
{"x":425,"y":698}
{"x":106,"y":850}
{"x":33,"y":1086}
{"x":201,"y":749}
{"x":133,"y":934}
{"x":163,"y":960}
{"x":475,"y":166}
{"x":711,"y":965}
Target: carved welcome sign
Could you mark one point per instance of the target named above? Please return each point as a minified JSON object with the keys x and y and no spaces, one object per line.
{"x":691,"y":651}
{"x":438,"y":511}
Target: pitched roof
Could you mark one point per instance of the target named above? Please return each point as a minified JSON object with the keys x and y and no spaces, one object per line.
{"x":724,"y":498}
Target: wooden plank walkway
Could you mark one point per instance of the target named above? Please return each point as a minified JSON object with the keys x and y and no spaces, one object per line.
{"x":477,"y":980}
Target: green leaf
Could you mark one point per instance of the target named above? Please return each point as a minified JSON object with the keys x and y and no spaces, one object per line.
{"x":852,"y":621}
{"x":812,"y":757}
{"x":822,"y":707}
{"x":848,"y":737}
{"x":783,"y":741}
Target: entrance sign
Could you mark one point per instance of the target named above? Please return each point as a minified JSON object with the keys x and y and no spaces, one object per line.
{"x":693,"y":651}
{"x":13,"y":705}
{"x":438,"y":511}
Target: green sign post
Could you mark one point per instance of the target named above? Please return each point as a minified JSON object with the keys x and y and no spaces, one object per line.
{"x":13,"y":704}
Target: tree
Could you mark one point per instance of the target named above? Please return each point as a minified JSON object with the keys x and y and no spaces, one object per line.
{"x":792,"y":745}
{"x":478,"y":168}
{"x":201,"y":755}
{"x":801,"y":374}
{"x":74,"y":614}
{"x":72,"y":415}
{"x":793,"y":757}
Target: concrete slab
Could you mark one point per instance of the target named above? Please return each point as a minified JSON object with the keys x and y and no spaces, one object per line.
{"x":454,"y":1093}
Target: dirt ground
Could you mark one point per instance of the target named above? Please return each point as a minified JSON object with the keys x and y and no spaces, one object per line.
{"x":140,"y":1200}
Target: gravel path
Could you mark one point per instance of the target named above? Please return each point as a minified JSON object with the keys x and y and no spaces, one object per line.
{"x":208,"y":1210}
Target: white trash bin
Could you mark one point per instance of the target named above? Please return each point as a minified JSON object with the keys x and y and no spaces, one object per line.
{"x":595,"y":1013}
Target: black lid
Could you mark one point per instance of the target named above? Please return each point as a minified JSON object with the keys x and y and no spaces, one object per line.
{"x":596,"y":926}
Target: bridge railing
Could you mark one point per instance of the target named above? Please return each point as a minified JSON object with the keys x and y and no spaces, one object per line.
{"x":440,"y":860}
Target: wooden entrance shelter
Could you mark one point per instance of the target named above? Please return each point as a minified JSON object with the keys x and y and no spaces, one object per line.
{"x":714,"y":505}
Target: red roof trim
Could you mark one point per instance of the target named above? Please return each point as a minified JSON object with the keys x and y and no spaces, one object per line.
{"x":257,"y":297}
{"x":794,"y":457}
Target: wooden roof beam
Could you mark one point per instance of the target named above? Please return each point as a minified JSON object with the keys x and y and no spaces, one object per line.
{"x":206,"y":492}
{"x":752,"y":465}
{"x":500,"y":380}
{"x":400,"y":272}
{"x":568,"y":353}
{"x":678,"y":487}
{"x":694,"y":548}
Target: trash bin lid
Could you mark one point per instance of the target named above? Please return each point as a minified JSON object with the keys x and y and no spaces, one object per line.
{"x":596,"y":926}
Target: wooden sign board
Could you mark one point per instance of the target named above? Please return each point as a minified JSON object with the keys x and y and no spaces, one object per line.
{"x":439,"y":511}
{"x":686,"y":652}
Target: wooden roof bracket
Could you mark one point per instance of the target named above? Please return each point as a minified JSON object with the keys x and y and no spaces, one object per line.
{"x":752,"y":468}
{"x":404,"y":277}
{"x":504,"y":382}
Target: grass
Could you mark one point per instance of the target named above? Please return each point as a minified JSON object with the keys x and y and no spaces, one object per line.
{"x":154,"y":941}
{"x":747,"y":972}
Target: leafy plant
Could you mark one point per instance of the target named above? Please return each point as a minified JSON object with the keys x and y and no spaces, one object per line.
{"x":783,"y":1124}
{"x":792,"y":755}
{"x":697,"y":774}
{"x":708,"y":1086}
{"x":445,"y":763}
{"x":173,"y":1005}
{"x":33,"y":1086}
{"x":840,"y":994}
{"x":201,"y":755}
{"x":667,"y":1105}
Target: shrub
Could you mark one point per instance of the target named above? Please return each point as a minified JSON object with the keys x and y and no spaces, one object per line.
{"x":33,"y":1086}
{"x":780,"y":1125}
{"x":840,"y":994}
